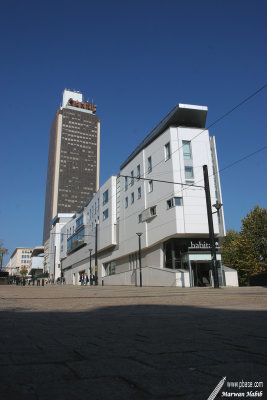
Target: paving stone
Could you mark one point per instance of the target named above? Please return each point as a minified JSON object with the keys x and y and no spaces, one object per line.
{"x":60,"y":343}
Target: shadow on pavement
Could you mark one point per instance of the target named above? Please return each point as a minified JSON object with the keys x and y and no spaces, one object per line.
{"x":129,"y":352}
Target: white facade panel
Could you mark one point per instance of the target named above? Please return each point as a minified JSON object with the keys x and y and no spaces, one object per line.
{"x":163,"y":212}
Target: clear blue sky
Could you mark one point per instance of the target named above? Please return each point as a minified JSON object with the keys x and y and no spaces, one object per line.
{"x":137,"y":60}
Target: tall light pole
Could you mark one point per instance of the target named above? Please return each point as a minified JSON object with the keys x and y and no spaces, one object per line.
{"x":91,"y":281}
{"x":211,"y":229}
{"x":96,"y":268}
{"x":139,"y":234}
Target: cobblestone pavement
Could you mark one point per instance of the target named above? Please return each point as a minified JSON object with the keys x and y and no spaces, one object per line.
{"x":65,"y":342}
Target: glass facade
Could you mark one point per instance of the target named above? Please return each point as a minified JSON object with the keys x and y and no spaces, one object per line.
{"x":75,"y":241}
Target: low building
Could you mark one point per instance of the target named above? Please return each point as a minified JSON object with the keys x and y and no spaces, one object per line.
{"x":20,"y":261}
{"x":158,"y":196}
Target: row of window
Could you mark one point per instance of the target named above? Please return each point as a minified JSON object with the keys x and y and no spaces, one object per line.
{"x":139,"y":195}
{"x":167,"y":151}
{"x":151,"y":212}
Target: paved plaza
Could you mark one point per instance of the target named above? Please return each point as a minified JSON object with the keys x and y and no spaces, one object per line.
{"x":65,"y":342}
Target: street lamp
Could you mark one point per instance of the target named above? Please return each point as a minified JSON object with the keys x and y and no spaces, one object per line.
{"x":96,"y":268}
{"x":91,"y":280}
{"x":139,"y":234}
{"x":217,"y":205}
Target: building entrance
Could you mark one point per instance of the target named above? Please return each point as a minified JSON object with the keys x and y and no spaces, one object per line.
{"x":201,"y":273}
{"x":194,"y":256}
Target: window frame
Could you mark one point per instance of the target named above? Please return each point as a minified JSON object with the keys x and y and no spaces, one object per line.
{"x":138,"y":171}
{"x":105,"y":198}
{"x":185,"y":155}
{"x":149,"y":164}
{"x":132,"y":178}
{"x":167,"y":151}
{"x":172,"y":202}
{"x":185,"y":172}
{"x":104,"y":214}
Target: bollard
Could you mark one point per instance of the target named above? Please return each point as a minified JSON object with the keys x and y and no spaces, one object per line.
{"x":102,"y":282}
{"x":42,"y":282}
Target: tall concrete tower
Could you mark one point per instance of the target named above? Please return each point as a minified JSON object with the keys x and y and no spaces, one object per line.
{"x":74,"y":158}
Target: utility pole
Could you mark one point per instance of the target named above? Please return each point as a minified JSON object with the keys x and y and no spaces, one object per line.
{"x":211,"y":229}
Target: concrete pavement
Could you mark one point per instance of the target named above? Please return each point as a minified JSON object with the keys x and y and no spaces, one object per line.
{"x":65,"y":342}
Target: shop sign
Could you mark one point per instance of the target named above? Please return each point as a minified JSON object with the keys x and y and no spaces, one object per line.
{"x":201,"y":244}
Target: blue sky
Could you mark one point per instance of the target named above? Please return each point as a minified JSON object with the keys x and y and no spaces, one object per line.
{"x":137,"y":60}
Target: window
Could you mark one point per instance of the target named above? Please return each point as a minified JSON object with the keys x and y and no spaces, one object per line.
{"x":105,"y":214}
{"x":132,"y":198}
{"x":126,"y":183}
{"x":167,"y":149}
{"x":150,"y":186}
{"x":126,"y":202}
{"x":175,"y":201}
{"x":187,"y":150}
{"x":105,"y":197}
{"x":138,"y":171}
{"x":149,"y":164}
{"x":139,"y":218}
{"x":153,"y":211}
{"x":139,"y":193}
{"x":189,"y":174}
{"x":132,"y":178}
{"x":79,"y":222}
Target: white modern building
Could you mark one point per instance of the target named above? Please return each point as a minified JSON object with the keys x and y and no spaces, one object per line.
{"x":159,"y":195}
{"x":20,"y":260}
{"x":37,"y":261}
{"x":55,"y":244}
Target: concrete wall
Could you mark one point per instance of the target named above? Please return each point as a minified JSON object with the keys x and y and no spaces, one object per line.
{"x":231,"y":277}
{"x":151,"y":276}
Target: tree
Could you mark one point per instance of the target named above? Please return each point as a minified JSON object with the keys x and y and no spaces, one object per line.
{"x":3,"y":251}
{"x":23,"y":271}
{"x":253,"y":243}
{"x":230,"y":248}
{"x":246,"y":251}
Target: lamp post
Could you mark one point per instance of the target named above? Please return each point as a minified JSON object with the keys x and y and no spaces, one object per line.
{"x":139,"y":234}
{"x":91,"y":280}
{"x":96,"y":270}
{"x":211,"y":229}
